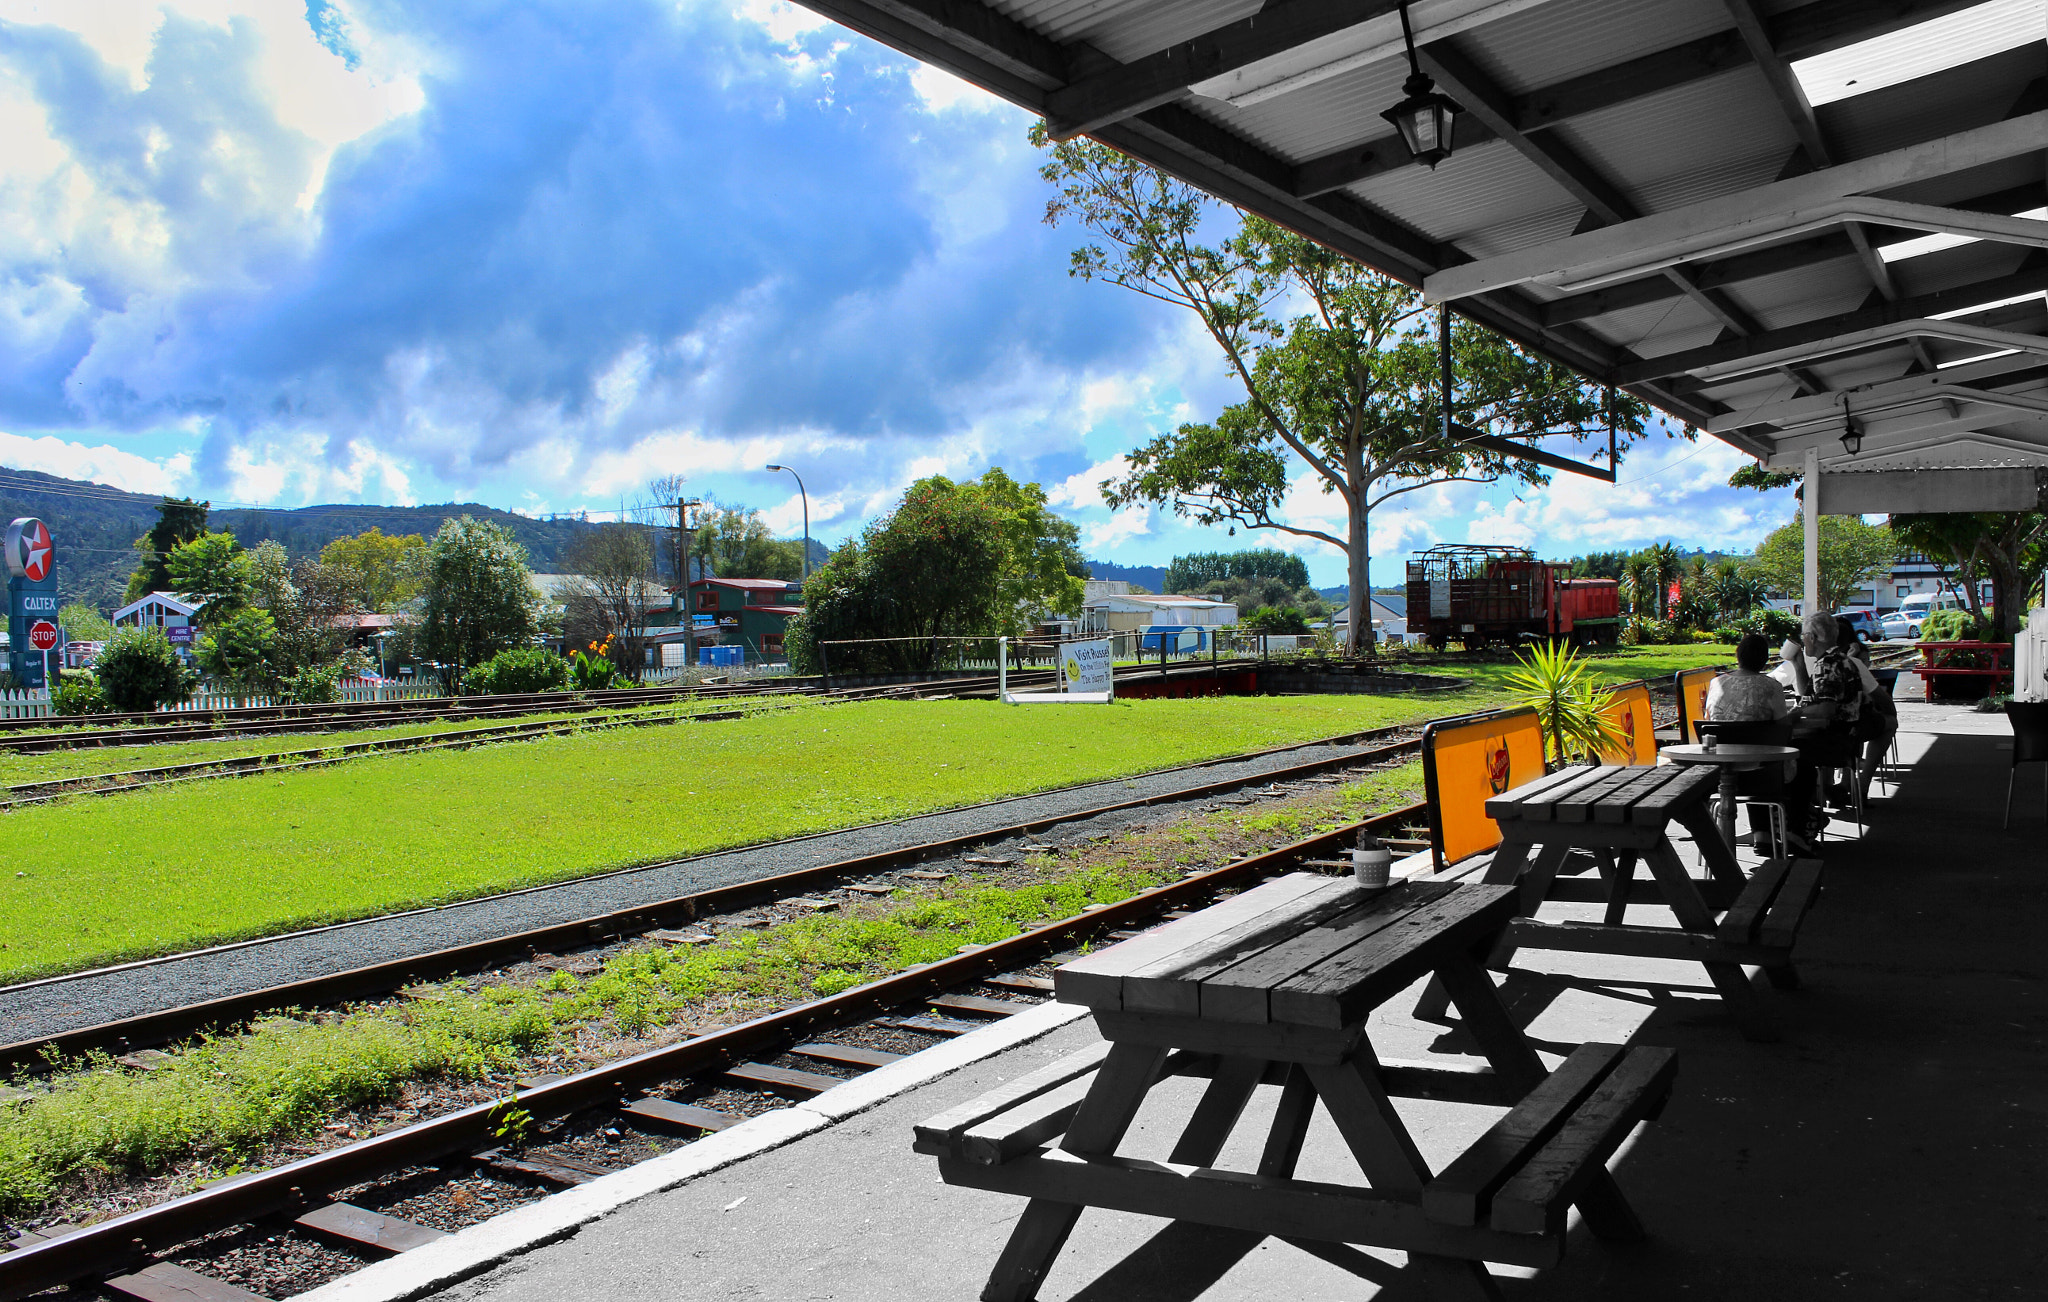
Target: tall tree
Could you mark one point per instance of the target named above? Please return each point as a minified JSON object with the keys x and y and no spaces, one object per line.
{"x":1851,"y":554}
{"x":614,"y":568}
{"x":1042,"y":567}
{"x":1347,"y":386}
{"x":213,"y":566}
{"x":739,"y":545}
{"x":1201,"y":571}
{"x":391,"y":568}
{"x":480,"y":597}
{"x":178,"y":520}
{"x":2009,"y":548}
{"x":311,"y":607}
{"x":1665,"y":569}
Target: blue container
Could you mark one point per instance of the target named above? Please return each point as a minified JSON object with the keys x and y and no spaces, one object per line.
{"x":1174,"y":638}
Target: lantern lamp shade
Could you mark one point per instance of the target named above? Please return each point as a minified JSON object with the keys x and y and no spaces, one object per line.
{"x":1426,"y":120}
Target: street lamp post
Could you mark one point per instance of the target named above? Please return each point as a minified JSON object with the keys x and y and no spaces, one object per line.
{"x":807,"y":517}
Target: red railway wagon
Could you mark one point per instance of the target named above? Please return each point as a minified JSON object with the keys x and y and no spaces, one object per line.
{"x":1477,"y":595}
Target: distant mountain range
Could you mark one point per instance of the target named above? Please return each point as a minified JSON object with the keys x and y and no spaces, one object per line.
{"x":95,"y":528}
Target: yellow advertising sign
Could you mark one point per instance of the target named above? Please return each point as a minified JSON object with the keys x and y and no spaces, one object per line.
{"x":1635,"y":740}
{"x":1465,"y":763}
{"x":1692,"y":699}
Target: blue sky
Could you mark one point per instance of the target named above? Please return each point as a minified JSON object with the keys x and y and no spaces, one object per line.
{"x":535,"y":255}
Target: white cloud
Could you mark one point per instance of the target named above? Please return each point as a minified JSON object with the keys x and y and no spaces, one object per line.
{"x":1131,"y":522}
{"x":940,"y":91}
{"x":102,"y":464}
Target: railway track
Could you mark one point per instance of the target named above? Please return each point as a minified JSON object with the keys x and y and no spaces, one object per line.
{"x":571,"y":1122}
{"x":269,"y":762}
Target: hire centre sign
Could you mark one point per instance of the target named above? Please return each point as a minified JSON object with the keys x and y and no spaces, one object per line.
{"x":31,"y":597}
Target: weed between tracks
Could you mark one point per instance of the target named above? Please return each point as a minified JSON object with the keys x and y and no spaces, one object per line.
{"x":93,"y":1139}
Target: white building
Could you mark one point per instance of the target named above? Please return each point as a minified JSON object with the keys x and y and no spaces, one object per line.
{"x":1110,"y":607}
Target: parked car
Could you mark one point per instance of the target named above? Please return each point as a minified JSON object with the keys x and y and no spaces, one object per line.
{"x":1864,"y":620}
{"x":1905,"y":622}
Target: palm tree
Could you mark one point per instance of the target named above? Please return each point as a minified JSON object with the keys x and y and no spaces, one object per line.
{"x":1636,"y":576}
{"x":1665,"y":567}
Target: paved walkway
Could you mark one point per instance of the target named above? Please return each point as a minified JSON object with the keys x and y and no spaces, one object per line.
{"x":1894,"y":1146}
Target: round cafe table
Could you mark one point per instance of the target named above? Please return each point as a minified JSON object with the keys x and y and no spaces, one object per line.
{"x":1731,"y":758}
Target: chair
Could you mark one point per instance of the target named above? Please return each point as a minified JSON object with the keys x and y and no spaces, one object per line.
{"x":1765,"y":787}
{"x":2029,"y":744}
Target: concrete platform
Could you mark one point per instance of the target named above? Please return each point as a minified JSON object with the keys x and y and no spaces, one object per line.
{"x":1894,"y":1145}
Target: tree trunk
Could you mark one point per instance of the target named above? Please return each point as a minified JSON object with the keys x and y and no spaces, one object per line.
{"x":1358,"y":564}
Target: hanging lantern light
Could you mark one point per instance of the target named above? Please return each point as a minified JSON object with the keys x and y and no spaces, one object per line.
{"x":1426,"y":119}
{"x":1852,"y":438}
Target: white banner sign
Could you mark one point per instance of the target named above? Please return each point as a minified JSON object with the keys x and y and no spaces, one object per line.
{"x":1085,"y":666}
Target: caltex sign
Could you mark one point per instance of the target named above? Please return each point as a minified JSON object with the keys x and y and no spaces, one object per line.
{"x":28,"y":550}
{"x":31,"y":598}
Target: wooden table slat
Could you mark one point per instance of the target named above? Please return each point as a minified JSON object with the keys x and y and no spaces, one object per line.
{"x":1341,"y":988}
{"x":1242,"y":992}
{"x":1097,"y":979}
{"x":1618,"y":783}
{"x":1543,"y":806}
{"x":1689,"y":787}
{"x":1507,"y":802}
{"x":1648,"y":781}
{"x":1169,"y":984}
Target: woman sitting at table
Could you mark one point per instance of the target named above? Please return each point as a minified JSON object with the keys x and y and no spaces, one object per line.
{"x":1833,"y":688}
{"x":1749,"y":695}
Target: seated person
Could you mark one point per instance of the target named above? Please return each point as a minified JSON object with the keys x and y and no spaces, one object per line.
{"x":1748,"y":693}
{"x":1879,"y":716}
{"x":1833,"y":688}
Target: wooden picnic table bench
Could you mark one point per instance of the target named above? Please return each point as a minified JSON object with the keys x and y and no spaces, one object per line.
{"x":1622,"y":816}
{"x":1274,"y":987}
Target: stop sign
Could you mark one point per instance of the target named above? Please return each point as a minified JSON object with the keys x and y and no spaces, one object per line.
{"x":42,"y":635}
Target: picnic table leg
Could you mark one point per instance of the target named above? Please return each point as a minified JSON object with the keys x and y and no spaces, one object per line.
{"x":1216,"y":1115}
{"x":1290,"y":1125}
{"x":1727,"y":874}
{"x":1507,"y":1049}
{"x":1682,"y":894}
{"x":1392,"y":1164}
{"x":1535,"y":887}
{"x":1505,"y":867}
{"x":1619,"y":872}
{"x":1121,"y":1083}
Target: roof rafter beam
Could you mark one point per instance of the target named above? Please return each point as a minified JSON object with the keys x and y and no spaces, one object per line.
{"x":1786,"y":412}
{"x":2031,"y":277}
{"x":1767,"y":213}
{"x":1116,"y":93}
{"x":1894,"y":332}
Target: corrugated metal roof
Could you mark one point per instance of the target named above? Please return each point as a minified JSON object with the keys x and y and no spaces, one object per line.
{"x":1916,"y":51}
{"x":1680,"y":137}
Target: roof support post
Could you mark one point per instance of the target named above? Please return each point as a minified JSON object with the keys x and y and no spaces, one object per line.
{"x":1811,"y":517}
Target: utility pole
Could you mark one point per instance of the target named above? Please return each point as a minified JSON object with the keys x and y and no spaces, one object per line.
{"x":683,"y":531}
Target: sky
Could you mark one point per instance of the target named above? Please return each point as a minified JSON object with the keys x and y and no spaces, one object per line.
{"x":280,"y":252}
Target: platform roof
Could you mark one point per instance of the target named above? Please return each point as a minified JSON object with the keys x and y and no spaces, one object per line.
{"x":1750,"y":213}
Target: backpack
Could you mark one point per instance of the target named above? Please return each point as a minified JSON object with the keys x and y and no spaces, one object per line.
{"x":1835,"y":679}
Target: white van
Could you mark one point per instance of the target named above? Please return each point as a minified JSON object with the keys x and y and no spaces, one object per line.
{"x":1905,"y":622}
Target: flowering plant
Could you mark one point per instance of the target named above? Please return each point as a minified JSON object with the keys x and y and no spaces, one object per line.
{"x":592,"y":669}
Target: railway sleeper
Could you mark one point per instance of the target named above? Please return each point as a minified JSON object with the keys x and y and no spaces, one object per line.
{"x":358,"y":1227}
{"x":164,"y":1282}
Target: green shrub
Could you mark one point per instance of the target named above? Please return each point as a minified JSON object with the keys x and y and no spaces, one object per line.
{"x":1954,"y":626}
{"x":1276,"y":619}
{"x":524,"y":669}
{"x":313,"y":685}
{"x":139,"y":671}
{"x":1652,"y":632}
{"x":79,"y":695}
{"x":1774,"y":625}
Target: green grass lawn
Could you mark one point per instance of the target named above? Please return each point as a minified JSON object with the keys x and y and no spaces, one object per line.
{"x":159,"y":870}
{"x":48,"y":766}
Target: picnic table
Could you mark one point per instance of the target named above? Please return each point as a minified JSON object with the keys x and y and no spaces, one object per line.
{"x":1987,"y":664}
{"x":1622,"y":816}
{"x":1274,"y":987}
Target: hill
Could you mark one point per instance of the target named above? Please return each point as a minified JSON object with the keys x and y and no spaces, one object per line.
{"x":95,"y":527}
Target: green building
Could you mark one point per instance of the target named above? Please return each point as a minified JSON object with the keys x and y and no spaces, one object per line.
{"x":748,"y":612}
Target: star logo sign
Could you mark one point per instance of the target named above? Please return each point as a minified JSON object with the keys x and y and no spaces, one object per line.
{"x":35,"y":553}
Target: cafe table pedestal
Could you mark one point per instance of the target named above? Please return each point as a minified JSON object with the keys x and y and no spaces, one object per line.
{"x":1730,"y":758}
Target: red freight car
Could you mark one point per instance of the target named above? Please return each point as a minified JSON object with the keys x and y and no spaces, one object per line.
{"x":1475,"y":595}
